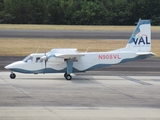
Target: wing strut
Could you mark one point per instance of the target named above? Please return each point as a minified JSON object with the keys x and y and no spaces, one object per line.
{"x":69,"y":64}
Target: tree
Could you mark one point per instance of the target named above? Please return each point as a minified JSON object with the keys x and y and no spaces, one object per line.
{"x":37,"y":11}
{"x":2,"y":13}
{"x":90,"y":13}
{"x":118,"y":12}
{"x":79,"y":12}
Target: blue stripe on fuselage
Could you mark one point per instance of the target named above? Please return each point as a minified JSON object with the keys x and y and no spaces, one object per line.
{"x":51,"y":70}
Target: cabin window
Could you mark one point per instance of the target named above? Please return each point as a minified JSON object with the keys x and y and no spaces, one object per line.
{"x":38,"y":60}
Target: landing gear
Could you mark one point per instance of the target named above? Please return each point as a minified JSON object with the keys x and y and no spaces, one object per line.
{"x":67,"y":76}
{"x":12,"y":76}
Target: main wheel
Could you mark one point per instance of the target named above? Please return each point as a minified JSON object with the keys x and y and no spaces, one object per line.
{"x":65,"y":74}
{"x":68,"y":77}
{"x":12,"y":76}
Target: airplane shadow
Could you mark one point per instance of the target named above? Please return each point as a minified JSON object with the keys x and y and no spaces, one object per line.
{"x":75,"y":79}
{"x":38,"y":78}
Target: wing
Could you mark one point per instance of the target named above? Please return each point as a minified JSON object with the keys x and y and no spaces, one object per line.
{"x":69,"y":59}
{"x":67,"y":55}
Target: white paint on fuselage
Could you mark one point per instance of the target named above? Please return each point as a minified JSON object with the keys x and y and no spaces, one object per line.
{"x":83,"y":63}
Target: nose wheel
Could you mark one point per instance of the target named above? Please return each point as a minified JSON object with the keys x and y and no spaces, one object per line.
{"x":12,"y":76}
{"x":67,"y":76}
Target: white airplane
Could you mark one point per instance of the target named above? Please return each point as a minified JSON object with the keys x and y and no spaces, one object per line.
{"x":69,"y":61}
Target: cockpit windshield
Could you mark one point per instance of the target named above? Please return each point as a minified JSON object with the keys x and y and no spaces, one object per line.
{"x":28,"y":59}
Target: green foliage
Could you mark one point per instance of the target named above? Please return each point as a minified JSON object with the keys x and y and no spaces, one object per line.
{"x":79,"y":12}
{"x":37,"y":11}
{"x":89,"y":13}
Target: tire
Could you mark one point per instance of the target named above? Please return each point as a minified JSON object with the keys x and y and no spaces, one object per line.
{"x":12,"y":76}
{"x":68,"y":77}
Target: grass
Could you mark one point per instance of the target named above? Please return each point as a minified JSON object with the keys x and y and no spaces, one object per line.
{"x":69,"y":27}
{"x":25,"y":46}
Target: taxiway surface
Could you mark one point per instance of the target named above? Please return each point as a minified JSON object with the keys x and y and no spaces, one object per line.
{"x":50,"y":96}
{"x":129,"y":91}
{"x":70,"y":34}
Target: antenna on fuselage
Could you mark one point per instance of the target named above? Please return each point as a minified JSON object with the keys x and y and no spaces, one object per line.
{"x":87,"y":49}
{"x":138,"y":21}
{"x":37,"y":49}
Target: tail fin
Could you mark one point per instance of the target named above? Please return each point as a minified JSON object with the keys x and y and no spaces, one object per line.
{"x":140,"y":40}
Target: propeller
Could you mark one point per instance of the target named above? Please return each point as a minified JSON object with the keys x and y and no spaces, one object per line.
{"x":45,"y":59}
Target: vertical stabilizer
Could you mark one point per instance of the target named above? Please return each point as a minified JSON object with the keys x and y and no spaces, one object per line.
{"x":140,"y":40}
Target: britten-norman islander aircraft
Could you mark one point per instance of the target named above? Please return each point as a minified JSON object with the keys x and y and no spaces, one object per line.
{"x":69,"y":61}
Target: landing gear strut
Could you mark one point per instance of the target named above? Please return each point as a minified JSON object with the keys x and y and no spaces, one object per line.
{"x":69,"y":63}
{"x":12,"y":75}
{"x":67,"y":76}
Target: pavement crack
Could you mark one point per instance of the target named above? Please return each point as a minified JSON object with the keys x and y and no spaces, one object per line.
{"x":18,"y":89}
{"x":135,"y":80}
{"x":119,"y":92}
{"x":52,"y":112}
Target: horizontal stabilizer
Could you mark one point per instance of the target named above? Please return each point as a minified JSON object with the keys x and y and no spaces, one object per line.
{"x":145,"y":53}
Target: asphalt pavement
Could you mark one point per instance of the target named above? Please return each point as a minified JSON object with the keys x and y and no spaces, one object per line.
{"x":51,"y":97}
{"x":128,"y":91}
{"x":70,"y":34}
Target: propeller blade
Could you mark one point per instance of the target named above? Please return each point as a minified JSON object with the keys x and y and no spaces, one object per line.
{"x":45,"y":62}
{"x":45,"y":59}
{"x":45,"y":66}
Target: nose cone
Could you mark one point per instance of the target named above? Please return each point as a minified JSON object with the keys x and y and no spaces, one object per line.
{"x":7,"y":66}
{"x":14,"y":65}
{"x":10,"y":66}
